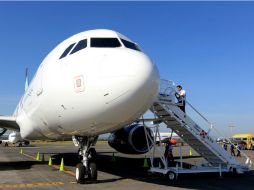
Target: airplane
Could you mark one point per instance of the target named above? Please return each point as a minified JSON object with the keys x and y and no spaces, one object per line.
{"x":94,"y":82}
{"x":13,"y":138}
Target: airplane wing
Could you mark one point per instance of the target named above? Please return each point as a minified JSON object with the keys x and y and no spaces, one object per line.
{"x":9,"y":122}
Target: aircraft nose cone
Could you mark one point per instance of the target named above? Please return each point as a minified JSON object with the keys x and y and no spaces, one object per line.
{"x":130,"y":84}
{"x":147,"y":82}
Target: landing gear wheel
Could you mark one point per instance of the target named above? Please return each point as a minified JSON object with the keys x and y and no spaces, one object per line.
{"x":92,"y":171}
{"x":171,"y":176}
{"x":87,"y":168}
{"x":80,"y":172}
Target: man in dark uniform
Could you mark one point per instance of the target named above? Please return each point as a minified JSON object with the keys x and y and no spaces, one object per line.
{"x":232,"y":150}
{"x":169,"y":153}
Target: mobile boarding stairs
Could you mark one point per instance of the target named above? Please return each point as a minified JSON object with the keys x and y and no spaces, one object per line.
{"x":200,"y":139}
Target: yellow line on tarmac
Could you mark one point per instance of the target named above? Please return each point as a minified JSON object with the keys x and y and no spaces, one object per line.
{"x":31,"y":185}
{"x":65,"y":171}
{"x":29,"y":156}
{"x":54,"y":166}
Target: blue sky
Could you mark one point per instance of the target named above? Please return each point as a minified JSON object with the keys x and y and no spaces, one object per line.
{"x":208,"y":47}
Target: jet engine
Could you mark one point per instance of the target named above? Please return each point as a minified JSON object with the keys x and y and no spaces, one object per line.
{"x":131,"y":139}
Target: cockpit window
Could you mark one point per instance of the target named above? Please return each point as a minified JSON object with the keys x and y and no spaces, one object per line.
{"x":130,"y":45}
{"x":105,"y":42}
{"x":81,"y":45}
{"x":68,"y":49}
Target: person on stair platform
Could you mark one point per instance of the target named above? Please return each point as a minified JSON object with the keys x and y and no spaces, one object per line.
{"x":181,"y":97}
{"x":232,"y":150}
{"x":169,"y":153}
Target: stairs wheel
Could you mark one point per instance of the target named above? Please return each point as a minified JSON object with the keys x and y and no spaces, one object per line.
{"x":171,"y":176}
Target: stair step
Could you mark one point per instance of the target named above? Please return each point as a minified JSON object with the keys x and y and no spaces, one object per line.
{"x":161,"y":112}
{"x":164,"y":115}
{"x":169,"y":118}
{"x":178,"y":122}
{"x":172,"y":123}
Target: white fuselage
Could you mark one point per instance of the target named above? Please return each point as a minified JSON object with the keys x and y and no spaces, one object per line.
{"x":90,"y":92}
{"x":14,"y":137}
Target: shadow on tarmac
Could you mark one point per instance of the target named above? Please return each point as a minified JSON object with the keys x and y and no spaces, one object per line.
{"x":17,"y":165}
{"x":132,"y":168}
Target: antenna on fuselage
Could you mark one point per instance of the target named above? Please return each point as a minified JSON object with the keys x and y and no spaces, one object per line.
{"x":26,"y":83}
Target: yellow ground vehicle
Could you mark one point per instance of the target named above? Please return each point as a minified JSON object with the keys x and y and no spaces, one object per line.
{"x":247,"y":138}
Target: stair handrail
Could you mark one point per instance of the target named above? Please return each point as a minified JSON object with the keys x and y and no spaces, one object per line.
{"x":171,"y":85}
{"x":210,"y":123}
{"x":248,"y":160}
{"x":221,"y":134}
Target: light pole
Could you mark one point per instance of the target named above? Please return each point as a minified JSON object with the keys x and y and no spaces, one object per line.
{"x":231,"y":130}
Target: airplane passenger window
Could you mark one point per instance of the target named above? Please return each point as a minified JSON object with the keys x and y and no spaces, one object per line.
{"x":68,"y":49}
{"x":130,"y":45}
{"x":105,"y":42}
{"x":81,"y":45}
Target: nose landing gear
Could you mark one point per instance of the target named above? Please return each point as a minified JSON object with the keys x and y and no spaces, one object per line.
{"x":87,"y":169}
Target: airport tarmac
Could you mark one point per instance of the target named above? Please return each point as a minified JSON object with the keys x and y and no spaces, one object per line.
{"x":23,"y":171}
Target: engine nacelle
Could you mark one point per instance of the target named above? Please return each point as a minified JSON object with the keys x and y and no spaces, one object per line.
{"x":131,"y":140}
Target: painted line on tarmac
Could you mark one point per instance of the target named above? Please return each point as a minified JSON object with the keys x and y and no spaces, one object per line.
{"x":54,"y":166}
{"x":65,"y":171}
{"x":31,"y":185}
{"x":29,"y":156}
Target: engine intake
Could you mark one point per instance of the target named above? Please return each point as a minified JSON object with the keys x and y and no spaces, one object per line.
{"x":131,"y":140}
